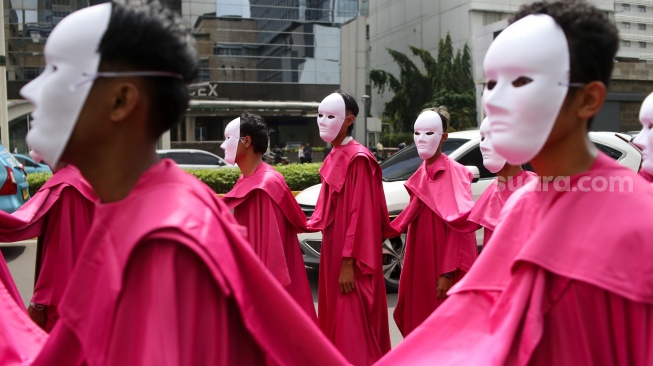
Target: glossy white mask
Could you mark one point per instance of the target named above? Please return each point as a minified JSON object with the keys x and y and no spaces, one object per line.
{"x":492,"y":161}
{"x":428,"y":134}
{"x":59,"y":93}
{"x":331,"y":116}
{"x":645,"y":138}
{"x":522,"y":113}
{"x":231,"y":138}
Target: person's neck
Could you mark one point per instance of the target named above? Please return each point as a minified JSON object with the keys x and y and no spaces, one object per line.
{"x":339,"y":139}
{"x":433,"y":158}
{"x":114,"y":173}
{"x":508,"y":171}
{"x":572,"y":154}
{"x":249,"y":163}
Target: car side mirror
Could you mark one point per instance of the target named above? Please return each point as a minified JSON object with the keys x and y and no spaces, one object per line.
{"x":475,"y":171}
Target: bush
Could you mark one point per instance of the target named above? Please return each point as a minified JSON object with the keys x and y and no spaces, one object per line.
{"x":36,"y":181}
{"x":298,"y":177}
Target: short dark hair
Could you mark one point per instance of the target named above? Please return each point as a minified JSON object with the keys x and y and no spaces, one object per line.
{"x":254,"y":126}
{"x":351,"y":106}
{"x":592,"y":38}
{"x":143,"y":35}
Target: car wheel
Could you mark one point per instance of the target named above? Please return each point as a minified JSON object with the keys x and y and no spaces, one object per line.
{"x":393,"y":260}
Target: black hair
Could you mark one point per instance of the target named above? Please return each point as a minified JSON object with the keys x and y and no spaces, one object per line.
{"x":351,"y":106}
{"x":443,"y":112}
{"x":144,"y":35}
{"x":592,"y":38}
{"x":254,"y":126}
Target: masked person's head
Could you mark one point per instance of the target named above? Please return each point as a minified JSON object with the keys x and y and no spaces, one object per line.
{"x":247,"y":132}
{"x":644,"y":140}
{"x":110,"y":68}
{"x":546,"y":75}
{"x":430,"y":131}
{"x":335,"y":113}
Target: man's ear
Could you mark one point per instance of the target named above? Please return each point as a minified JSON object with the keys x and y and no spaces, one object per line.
{"x":248,"y":141}
{"x":445,"y":136}
{"x":126,"y":97}
{"x":591,"y":100}
{"x":349,"y":120}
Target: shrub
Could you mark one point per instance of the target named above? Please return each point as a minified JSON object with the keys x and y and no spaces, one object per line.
{"x":298,"y":177}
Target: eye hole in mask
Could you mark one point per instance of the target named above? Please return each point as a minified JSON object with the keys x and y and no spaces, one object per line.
{"x":429,"y":133}
{"x":490,"y":84}
{"x":521,"y":81}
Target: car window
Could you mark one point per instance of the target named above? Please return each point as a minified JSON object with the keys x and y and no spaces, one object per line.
{"x":9,"y":159}
{"x":404,"y":163}
{"x":613,"y":153}
{"x":205,"y":159}
{"x":475,"y":157}
{"x":180,"y":157}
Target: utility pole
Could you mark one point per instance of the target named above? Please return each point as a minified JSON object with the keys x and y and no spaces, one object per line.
{"x":4,"y":113}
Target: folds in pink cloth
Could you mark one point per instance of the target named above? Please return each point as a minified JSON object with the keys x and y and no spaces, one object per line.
{"x":60,"y":215}
{"x":488,"y":207}
{"x":437,"y":211}
{"x":566,"y":279}
{"x":351,"y":213}
{"x":167,"y":278}
{"x":263,"y":203}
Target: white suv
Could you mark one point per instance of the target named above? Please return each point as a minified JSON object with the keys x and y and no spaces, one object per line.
{"x":464,"y":148}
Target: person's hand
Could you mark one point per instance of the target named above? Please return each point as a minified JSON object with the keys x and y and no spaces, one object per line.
{"x":346,"y":279}
{"x":444,"y":284}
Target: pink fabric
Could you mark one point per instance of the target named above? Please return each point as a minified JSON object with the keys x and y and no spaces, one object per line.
{"x":167,"y":278}
{"x":264,"y":204}
{"x":565,"y":280}
{"x":20,"y":338}
{"x":433,"y":245}
{"x":488,"y":207}
{"x":8,"y":282}
{"x":60,"y":215}
{"x":646,"y":175}
{"x":352,"y":214}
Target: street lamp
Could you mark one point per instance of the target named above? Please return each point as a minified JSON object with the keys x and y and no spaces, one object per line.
{"x":366,"y":99}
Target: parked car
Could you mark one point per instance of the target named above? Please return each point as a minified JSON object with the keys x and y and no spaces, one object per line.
{"x":14,"y":188}
{"x":194,"y":159}
{"x":464,"y":148}
{"x":32,"y":166}
{"x":293,"y":145}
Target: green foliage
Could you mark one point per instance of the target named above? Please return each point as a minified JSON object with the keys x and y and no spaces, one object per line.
{"x":298,"y":177}
{"x":446,"y":81}
{"x":36,"y":181}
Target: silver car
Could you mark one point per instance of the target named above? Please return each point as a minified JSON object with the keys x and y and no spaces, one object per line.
{"x":194,"y":159}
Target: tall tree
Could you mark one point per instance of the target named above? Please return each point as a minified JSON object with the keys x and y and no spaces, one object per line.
{"x":446,"y":81}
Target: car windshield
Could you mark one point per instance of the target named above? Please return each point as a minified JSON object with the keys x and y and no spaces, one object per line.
{"x":404,"y":163}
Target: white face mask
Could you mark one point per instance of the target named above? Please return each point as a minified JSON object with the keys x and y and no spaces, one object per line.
{"x":331,"y":116}
{"x":231,"y":138}
{"x":59,"y":93}
{"x":527,"y":73}
{"x":492,"y":161}
{"x":428,"y":134}
{"x":645,"y":138}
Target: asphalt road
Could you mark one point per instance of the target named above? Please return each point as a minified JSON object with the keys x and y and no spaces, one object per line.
{"x":21,"y":264}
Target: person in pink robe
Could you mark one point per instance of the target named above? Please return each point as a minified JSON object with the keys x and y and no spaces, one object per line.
{"x":166,"y":276}
{"x":8,"y":281}
{"x":566,"y":278}
{"x":510,"y":178}
{"x":646,"y":175}
{"x":440,"y":244}
{"x":263,"y":203}
{"x":351,"y":213}
{"x":60,"y":215}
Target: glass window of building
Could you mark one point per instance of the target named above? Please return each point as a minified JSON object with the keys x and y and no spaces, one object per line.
{"x":642,"y":44}
{"x":641,"y":26}
{"x":625,"y":25}
{"x":625,"y":7}
{"x":641,"y":9}
{"x":625,"y":43}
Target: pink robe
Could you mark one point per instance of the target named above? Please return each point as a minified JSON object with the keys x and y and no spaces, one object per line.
{"x":351,"y":213}
{"x":264,"y":204}
{"x":167,"y":278}
{"x":439,"y":238}
{"x":646,"y":175}
{"x":8,"y":281}
{"x":488,"y":207}
{"x":567,"y":279}
{"x":60,"y":215}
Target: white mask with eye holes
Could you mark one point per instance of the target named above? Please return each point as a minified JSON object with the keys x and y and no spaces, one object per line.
{"x":491,"y":160}
{"x":428,"y":134}
{"x":331,"y":115}
{"x":59,"y":93}
{"x":527,"y":78}
{"x":231,"y":138}
{"x":645,"y":138}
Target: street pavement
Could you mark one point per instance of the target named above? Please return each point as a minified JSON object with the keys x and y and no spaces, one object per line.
{"x":21,"y":256}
